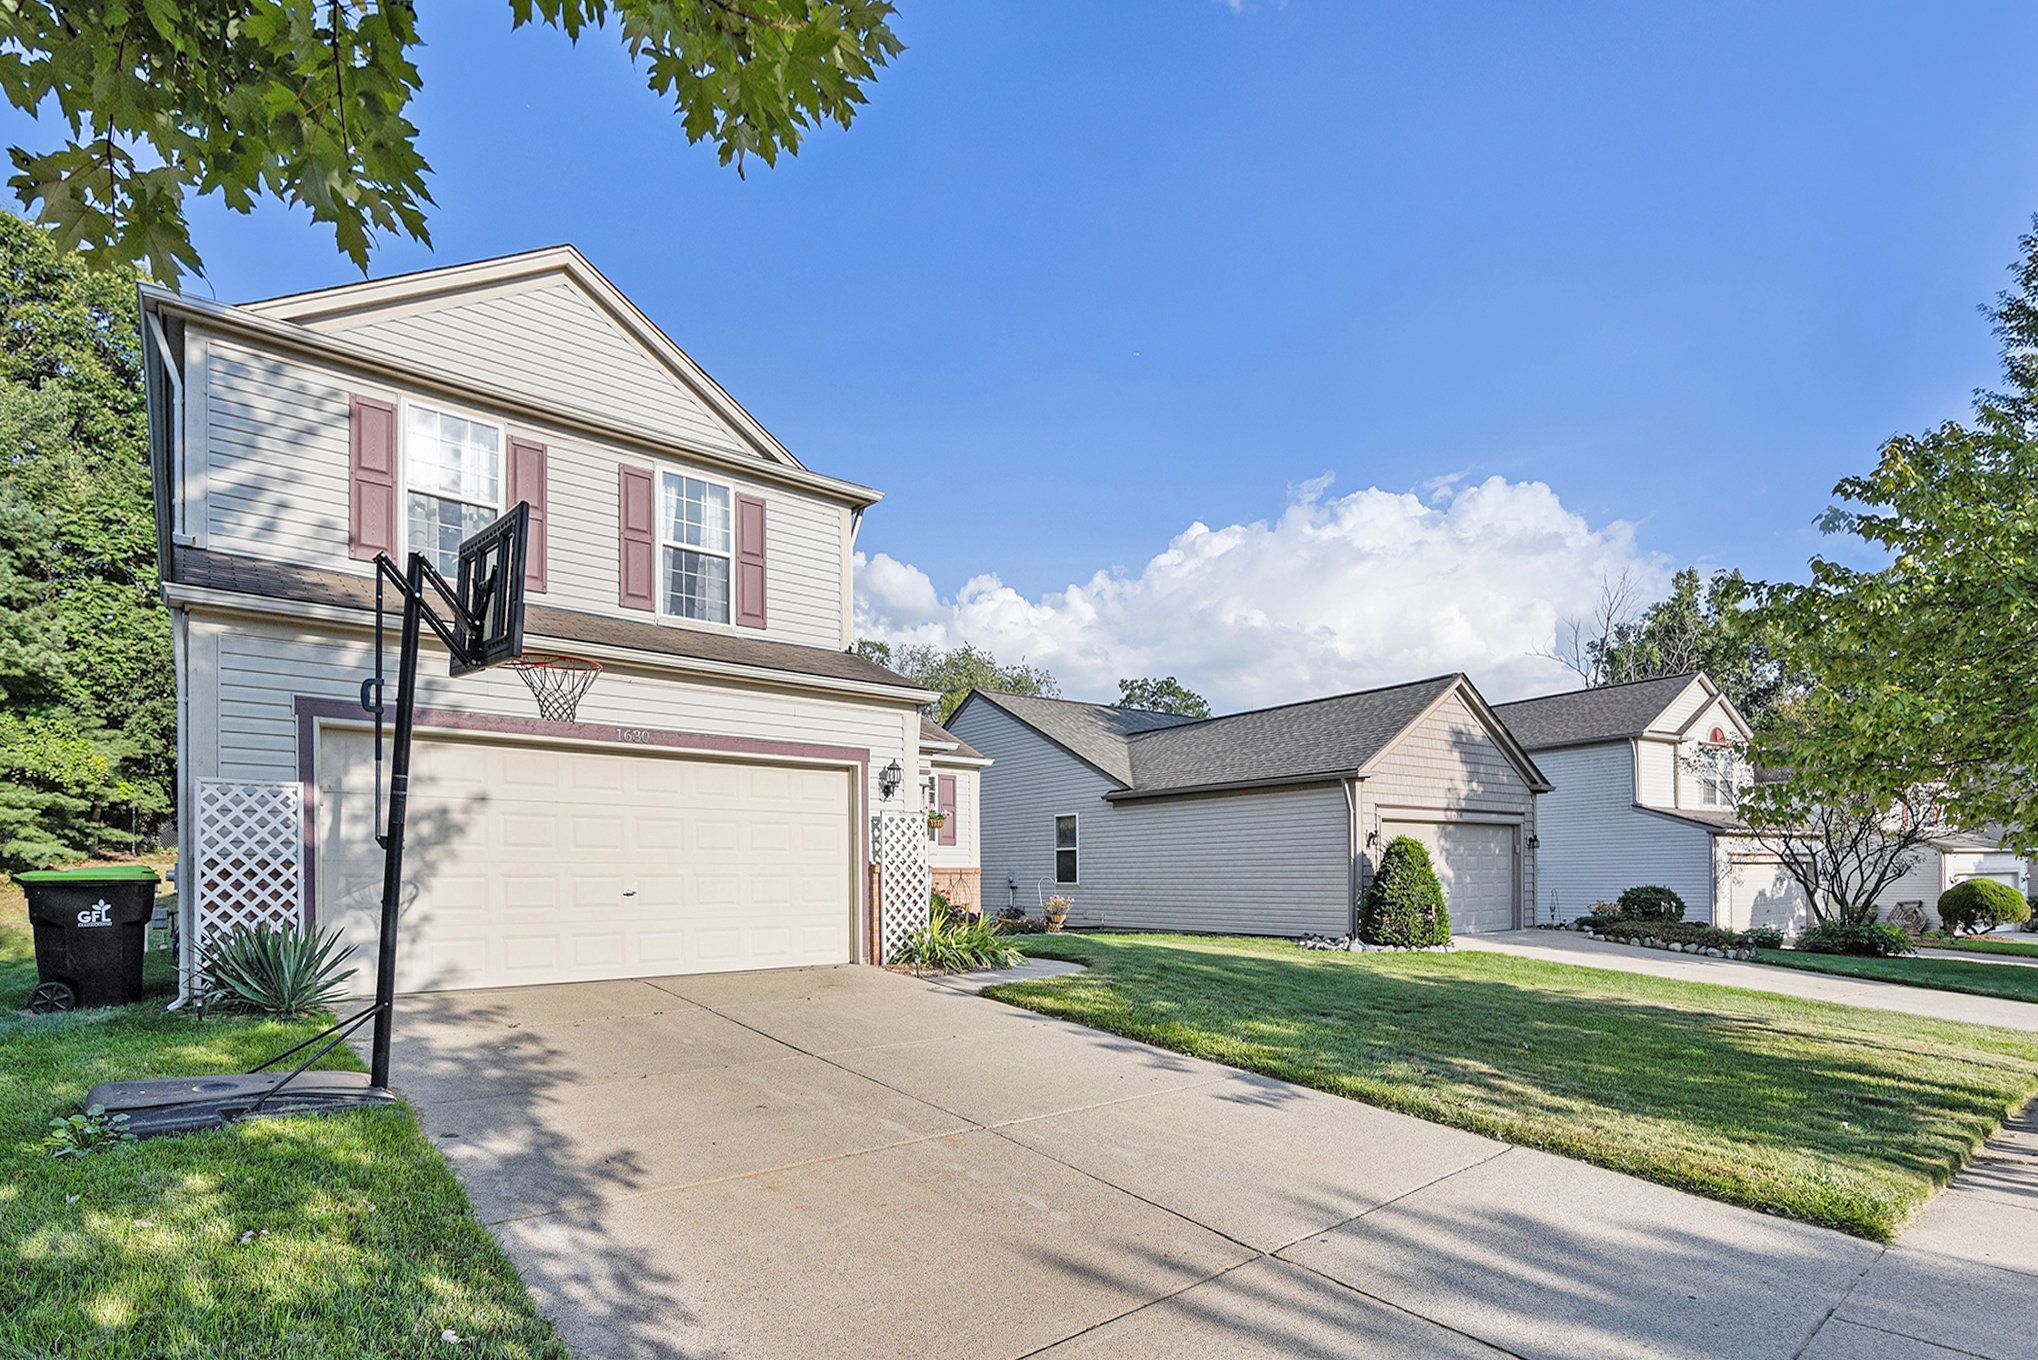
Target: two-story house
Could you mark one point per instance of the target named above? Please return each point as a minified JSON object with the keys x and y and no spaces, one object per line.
{"x":1645,"y":776}
{"x":709,"y":806}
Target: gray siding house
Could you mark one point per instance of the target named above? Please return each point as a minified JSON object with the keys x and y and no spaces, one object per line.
{"x":710,"y":806}
{"x":1267,"y":822}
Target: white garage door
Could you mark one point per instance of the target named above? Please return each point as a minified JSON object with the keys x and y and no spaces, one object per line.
{"x":528,"y":864}
{"x":1475,"y":863}
{"x":1760,"y":892}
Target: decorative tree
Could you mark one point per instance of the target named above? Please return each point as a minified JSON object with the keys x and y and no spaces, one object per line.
{"x":957,"y":671}
{"x":1404,"y":904}
{"x":1162,"y":694}
{"x":1919,"y":671}
{"x":309,"y":101}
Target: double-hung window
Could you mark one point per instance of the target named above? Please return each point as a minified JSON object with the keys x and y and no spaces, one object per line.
{"x":453,"y":480}
{"x":697,"y":537}
{"x":1066,"y":849}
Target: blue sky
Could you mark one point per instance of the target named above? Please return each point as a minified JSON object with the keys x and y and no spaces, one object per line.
{"x":1084,"y":275}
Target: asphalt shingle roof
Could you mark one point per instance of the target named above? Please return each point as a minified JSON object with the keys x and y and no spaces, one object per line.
{"x":1164,"y":752}
{"x":1586,"y":715}
{"x":934,"y":733}
{"x":279,"y":581}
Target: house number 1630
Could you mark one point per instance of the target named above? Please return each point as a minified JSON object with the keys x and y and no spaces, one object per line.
{"x":640,"y":735}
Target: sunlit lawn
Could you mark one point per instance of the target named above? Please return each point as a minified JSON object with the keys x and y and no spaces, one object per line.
{"x":362,"y":1243}
{"x":1946,"y":975}
{"x":2022,"y":947}
{"x":1832,"y":1114}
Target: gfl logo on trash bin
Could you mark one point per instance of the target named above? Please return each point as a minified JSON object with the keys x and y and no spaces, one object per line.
{"x":100,"y":913}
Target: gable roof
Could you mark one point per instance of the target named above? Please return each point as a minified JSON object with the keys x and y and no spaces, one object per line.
{"x":1580,"y":717}
{"x":1096,"y":734}
{"x":1339,"y":737}
{"x":367,"y":302}
{"x":939,"y":741}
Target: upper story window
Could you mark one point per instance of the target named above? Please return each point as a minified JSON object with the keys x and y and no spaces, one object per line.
{"x":697,"y":531}
{"x":453,"y":481}
{"x":1716,"y":760}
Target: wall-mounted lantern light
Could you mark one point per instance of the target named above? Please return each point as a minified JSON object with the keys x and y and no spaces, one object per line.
{"x":1534,"y":840}
{"x":889,"y":779}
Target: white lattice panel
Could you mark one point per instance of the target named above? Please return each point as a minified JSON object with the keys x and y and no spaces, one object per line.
{"x":899,"y":840}
{"x":250,"y":848}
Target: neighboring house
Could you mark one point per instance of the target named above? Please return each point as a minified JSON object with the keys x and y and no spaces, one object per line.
{"x":1645,"y":776}
{"x":951,"y":776}
{"x":1267,"y":822}
{"x":709,"y":808}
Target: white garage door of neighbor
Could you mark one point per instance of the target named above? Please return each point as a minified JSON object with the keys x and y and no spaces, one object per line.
{"x":1475,"y":863}
{"x":1761,"y":892}
{"x":528,"y":864}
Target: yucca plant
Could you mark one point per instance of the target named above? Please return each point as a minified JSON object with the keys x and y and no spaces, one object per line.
{"x":275,"y":972}
{"x":958,"y":944}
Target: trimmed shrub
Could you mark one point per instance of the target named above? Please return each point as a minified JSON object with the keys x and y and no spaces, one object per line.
{"x":1404,"y":904}
{"x":1650,"y":902}
{"x":1596,"y":921}
{"x":1869,"y":939}
{"x":1762,"y":937}
{"x":1981,"y":904}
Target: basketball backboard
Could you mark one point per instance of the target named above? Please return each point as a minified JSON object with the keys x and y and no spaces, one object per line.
{"x":491,"y":591}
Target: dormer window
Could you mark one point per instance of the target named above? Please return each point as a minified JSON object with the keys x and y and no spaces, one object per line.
{"x":452,"y":469}
{"x":1716,"y":770}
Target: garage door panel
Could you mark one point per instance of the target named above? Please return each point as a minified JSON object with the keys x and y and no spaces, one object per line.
{"x":528,"y":865}
{"x":1474,"y":863}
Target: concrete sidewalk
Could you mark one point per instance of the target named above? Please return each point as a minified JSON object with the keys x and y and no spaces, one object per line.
{"x":850,"y":1163}
{"x":1568,"y":946}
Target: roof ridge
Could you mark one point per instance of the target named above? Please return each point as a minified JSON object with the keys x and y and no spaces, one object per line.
{"x":1601,"y":689}
{"x":1303,"y":703}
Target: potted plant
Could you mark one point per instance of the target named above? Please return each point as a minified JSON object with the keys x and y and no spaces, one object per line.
{"x":1057,"y":912}
{"x":936,"y":820}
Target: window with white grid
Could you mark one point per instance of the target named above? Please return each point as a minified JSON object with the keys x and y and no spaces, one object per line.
{"x":698,"y":536}
{"x":453,"y":479}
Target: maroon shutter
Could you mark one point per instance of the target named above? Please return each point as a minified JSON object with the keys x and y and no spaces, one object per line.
{"x":749,"y":562}
{"x":527,"y":483}
{"x":371,"y":477}
{"x":944,"y":802}
{"x":636,"y":517}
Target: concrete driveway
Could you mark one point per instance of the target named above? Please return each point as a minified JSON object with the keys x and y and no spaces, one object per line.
{"x":846,"y":1162}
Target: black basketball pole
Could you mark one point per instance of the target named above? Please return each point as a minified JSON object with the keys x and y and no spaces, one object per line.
{"x":399,"y":799}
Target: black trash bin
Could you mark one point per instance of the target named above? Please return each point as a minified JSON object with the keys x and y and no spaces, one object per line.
{"x":91,"y":928}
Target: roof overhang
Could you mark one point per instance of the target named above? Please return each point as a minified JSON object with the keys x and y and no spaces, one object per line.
{"x":1233,"y":786}
{"x":207,"y":600}
{"x":292,"y":338}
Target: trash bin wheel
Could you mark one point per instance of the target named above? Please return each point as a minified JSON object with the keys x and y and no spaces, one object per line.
{"x":50,"y":997}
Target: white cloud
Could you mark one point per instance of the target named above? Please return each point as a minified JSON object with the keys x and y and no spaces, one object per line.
{"x":1338,"y":593}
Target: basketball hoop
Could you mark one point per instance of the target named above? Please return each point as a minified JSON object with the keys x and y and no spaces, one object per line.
{"x":556,"y":682}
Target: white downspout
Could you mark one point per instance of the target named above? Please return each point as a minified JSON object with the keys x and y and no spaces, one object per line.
{"x":180,"y":528}
{"x":187,"y":806}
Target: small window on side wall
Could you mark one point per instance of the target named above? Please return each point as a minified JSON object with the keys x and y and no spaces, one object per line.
{"x":1066,"y":849}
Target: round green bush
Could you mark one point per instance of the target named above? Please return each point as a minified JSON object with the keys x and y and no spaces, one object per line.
{"x":1404,"y":904}
{"x":1981,"y":904}
{"x":1651,"y":902}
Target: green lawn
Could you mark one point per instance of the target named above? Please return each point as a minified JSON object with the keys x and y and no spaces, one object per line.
{"x":1832,"y":1114}
{"x":363,"y":1246}
{"x":1946,"y":975}
{"x":1983,"y":944}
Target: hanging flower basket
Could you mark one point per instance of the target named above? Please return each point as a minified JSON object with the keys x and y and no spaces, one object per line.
{"x":936,"y":820}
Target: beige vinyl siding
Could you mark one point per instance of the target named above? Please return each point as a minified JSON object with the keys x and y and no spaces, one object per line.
{"x":1596,"y":844}
{"x":1449,"y":767}
{"x":276,"y":435}
{"x":1655,"y":773}
{"x":1269,"y":862}
{"x":968,"y":823}
{"x":1679,"y":710}
{"x":1921,"y":883}
{"x":246,"y":677}
{"x":1690,"y":786}
{"x":548,"y":341}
